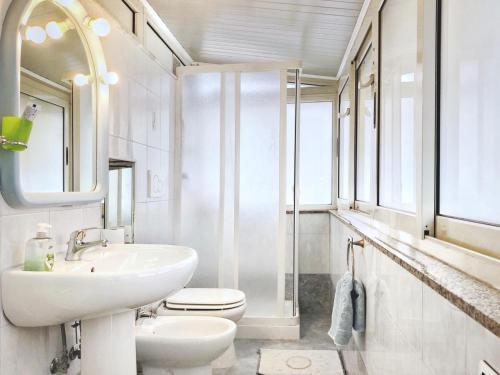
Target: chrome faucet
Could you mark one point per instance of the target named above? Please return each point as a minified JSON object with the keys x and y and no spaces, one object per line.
{"x":76,"y":244}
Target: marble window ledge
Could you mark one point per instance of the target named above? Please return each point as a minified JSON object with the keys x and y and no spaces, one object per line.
{"x":475,"y":298}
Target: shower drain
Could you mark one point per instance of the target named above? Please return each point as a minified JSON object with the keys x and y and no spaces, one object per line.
{"x":298,"y":362}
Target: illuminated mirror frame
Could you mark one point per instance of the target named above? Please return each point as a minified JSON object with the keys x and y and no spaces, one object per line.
{"x":10,"y":75}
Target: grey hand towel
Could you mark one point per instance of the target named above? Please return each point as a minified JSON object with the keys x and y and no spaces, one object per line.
{"x":358,"y":305}
{"x":342,"y":313}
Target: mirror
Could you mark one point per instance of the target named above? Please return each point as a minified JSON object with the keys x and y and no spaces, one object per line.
{"x":51,"y":55}
{"x":61,"y":156}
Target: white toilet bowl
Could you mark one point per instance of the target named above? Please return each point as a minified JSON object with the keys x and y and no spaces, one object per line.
{"x":218,"y":302}
{"x":182,"y":345}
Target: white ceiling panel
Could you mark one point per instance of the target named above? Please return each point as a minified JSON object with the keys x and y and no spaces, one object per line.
{"x":233,"y":31}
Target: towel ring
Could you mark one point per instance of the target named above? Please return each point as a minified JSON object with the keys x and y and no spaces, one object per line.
{"x":350,"y":250}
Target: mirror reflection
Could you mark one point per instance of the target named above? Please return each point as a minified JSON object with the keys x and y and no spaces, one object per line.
{"x":55,"y":71}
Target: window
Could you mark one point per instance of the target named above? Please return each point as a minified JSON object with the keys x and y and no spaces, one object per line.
{"x":119,"y":203}
{"x":398,"y":60}
{"x":365,"y":132}
{"x":344,"y":136}
{"x":123,"y":12}
{"x":315,"y":152}
{"x":469,"y":131}
{"x":157,"y":46}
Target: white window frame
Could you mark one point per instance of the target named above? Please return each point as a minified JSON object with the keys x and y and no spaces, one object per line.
{"x":324,"y":92}
{"x":367,"y":207}
{"x":345,"y":202}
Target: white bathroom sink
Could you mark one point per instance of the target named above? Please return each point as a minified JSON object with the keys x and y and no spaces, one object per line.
{"x":107,"y":280}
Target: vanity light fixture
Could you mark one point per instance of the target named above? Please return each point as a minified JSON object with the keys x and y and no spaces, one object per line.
{"x":110,"y":78}
{"x":81,"y":80}
{"x":100,"y":26}
{"x":56,"y":30}
{"x":35,"y":34}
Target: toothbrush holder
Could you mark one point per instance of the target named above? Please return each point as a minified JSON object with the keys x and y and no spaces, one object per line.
{"x":15,"y":133}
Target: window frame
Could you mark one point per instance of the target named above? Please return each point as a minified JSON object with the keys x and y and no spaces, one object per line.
{"x":345,"y":86}
{"x":366,"y":46}
{"x":400,"y":213}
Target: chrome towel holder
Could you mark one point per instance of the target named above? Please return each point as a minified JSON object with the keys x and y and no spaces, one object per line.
{"x":350,"y":250}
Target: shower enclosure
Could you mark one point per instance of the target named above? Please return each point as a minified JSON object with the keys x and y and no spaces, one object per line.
{"x":231,"y":180}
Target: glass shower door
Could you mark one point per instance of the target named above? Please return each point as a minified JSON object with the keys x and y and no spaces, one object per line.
{"x":232,"y":180}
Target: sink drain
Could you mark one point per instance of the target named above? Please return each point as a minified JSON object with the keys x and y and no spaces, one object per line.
{"x":298,"y":362}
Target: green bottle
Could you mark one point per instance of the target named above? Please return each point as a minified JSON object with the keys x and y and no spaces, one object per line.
{"x":39,"y":255}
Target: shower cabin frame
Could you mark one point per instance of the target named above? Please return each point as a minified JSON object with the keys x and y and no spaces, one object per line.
{"x":285,"y":68}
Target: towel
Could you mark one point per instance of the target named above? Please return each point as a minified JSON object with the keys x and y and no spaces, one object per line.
{"x":358,"y":306}
{"x":342,"y":313}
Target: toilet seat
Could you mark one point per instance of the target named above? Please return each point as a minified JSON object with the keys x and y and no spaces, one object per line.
{"x":211,"y":299}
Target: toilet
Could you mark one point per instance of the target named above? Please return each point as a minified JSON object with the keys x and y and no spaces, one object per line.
{"x":223,"y":303}
{"x":182,"y":345}
{"x":216,"y":302}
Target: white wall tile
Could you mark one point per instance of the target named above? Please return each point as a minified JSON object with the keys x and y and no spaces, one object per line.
{"x":314,"y":253}
{"x":167,"y":125}
{"x":119,"y":114}
{"x":444,"y":337}
{"x":120,"y":148}
{"x":314,"y":223}
{"x":154,"y":121}
{"x":140,"y":157}
{"x":138,"y":99}
{"x":141,"y":224}
{"x":482,"y":345}
{"x":16,"y":230}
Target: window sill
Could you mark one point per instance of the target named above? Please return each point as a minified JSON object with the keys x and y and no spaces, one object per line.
{"x":468,"y":280}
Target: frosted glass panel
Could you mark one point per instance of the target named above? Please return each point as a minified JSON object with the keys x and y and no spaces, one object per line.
{"x":315,"y":153}
{"x":470,"y":110}
{"x":397,"y":103}
{"x":259,"y":191}
{"x":344,"y":142}
{"x":200,"y":173}
{"x":365,"y":131}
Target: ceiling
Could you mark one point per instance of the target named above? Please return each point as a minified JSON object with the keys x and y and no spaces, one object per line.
{"x":233,"y":31}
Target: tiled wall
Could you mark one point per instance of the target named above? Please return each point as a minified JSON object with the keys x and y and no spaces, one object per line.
{"x":314,"y":243}
{"x":410,"y":328}
{"x":144,"y":93}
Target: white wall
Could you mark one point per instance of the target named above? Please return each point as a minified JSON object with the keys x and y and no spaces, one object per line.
{"x":410,"y":329}
{"x":143,"y":88}
{"x":314,"y":243}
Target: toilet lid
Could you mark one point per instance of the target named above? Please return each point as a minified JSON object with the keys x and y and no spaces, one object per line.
{"x":206,"y":299}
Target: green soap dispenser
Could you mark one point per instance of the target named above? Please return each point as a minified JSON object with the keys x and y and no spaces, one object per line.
{"x":39,"y":255}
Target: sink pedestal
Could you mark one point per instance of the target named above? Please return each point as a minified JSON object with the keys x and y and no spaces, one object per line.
{"x":108,"y":345}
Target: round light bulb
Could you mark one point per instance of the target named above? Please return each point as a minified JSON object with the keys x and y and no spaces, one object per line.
{"x":36,"y":34}
{"x":54,"y":30}
{"x":65,"y":3}
{"x":110,"y":78}
{"x":81,"y":79}
{"x":100,"y":26}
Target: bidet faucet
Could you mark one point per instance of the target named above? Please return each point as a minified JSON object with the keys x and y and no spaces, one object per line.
{"x":76,"y":244}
